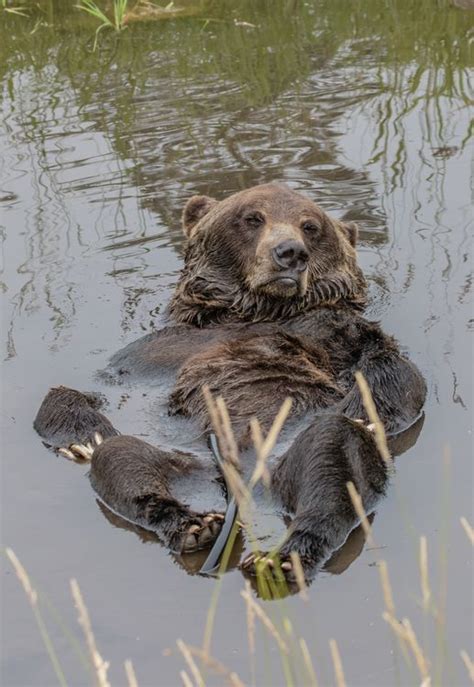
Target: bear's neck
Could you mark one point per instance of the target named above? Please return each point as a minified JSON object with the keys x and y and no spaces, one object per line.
{"x":207,"y":307}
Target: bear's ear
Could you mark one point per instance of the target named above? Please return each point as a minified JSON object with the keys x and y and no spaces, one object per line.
{"x":351,"y":230}
{"x":194,"y":210}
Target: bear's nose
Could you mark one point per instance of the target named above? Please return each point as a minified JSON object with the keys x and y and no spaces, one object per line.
{"x":291,"y":255}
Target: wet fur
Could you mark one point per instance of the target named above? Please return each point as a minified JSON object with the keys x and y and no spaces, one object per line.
{"x":254,"y":350}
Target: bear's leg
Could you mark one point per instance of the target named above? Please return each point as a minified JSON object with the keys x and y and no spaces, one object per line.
{"x":396,"y":385}
{"x":130,"y":476}
{"x":311,"y":479}
{"x":133,"y":479}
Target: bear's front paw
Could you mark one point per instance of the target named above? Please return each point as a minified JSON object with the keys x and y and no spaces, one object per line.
{"x":202,"y":532}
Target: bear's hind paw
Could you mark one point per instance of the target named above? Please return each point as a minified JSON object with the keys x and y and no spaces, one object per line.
{"x":199,"y":536}
{"x":260,"y":562}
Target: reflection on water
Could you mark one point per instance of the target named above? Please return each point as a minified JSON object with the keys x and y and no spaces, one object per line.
{"x":366,"y":111}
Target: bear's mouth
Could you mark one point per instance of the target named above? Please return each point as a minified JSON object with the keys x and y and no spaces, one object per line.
{"x":283,"y":285}
{"x":286,"y":282}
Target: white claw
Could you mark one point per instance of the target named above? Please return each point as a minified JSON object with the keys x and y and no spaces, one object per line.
{"x":67,"y":453}
{"x":98,"y":438}
{"x":371,"y":427}
{"x":82,"y":450}
{"x":286,"y":565}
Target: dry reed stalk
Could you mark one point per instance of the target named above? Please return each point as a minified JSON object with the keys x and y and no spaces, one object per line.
{"x":386,"y":587}
{"x":185,"y":678}
{"x":308,"y":663}
{"x":227,"y":431}
{"x":424,"y":578}
{"x":469,"y":664}
{"x":268,"y":624}
{"x":299,"y":575}
{"x":130,"y":673}
{"x":257,"y":436}
{"x":23,"y":577}
{"x":277,"y":425}
{"x":336,"y":659}
{"x":195,"y":672}
{"x":421,"y":661}
{"x":390,"y":603}
{"x":32,"y":597}
{"x":371,"y":410}
{"x":237,"y":486}
{"x":228,"y":446}
{"x":468,"y":529}
{"x":221,"y":423}
{"x":218,"y":667}
{"x":250,"y":619}
{"x":404,"y":631}
{"x":397,"y":628}
{"x":100,"y":666}
{"x":361,"y":514}
{"x":263,"y":447}
{"x":222,"y":426}
{"x":261,"y":471}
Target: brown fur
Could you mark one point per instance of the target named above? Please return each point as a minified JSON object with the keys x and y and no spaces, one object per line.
{"x":255,"y":374}
{"x":228,"y":258}
{"x":267,"y":306}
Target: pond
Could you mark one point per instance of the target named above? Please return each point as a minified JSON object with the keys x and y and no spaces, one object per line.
{"x":365,"y":109}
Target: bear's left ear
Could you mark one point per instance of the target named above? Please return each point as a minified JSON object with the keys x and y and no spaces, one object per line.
{"x":351,"y":230}
{"x":194,"y":210}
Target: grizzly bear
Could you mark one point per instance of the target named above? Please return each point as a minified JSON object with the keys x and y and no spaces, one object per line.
{"x":269,"y":305}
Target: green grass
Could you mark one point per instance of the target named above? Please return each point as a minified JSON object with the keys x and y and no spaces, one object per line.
{"x":118,"y":21}
{"x":15,"y":9}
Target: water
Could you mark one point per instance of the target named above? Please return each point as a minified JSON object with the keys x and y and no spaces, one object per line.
{"x":365,"y":110}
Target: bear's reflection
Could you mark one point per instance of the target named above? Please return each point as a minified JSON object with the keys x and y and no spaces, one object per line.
{"x":190,"y":562}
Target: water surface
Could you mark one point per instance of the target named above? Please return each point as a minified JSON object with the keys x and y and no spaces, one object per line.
{"x":366,"y":110}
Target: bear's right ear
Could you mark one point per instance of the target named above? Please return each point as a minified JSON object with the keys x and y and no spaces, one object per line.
{"x":194,"y":210}
{"x":351,"y":231}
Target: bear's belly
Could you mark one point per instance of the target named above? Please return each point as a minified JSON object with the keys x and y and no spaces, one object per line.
{"x":254,"y":375}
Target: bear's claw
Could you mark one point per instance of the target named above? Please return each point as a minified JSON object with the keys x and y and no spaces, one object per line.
{"x":369,"y":426}
{"x":260,"y":562}
{"x":82,"y":452}
{"x":199,"y":536}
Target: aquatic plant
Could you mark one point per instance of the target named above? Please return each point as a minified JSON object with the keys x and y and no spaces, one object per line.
{"x":118,"y":23}
{"x":15,"y":9}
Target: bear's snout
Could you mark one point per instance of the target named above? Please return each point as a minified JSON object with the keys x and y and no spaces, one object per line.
{"x":291,"y":255}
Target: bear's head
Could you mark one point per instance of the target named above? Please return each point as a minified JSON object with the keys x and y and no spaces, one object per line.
{"x":266,"y":253}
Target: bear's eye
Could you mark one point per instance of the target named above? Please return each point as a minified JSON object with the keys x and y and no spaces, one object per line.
{"x":310,"y":227}
{"x":255,"y":219}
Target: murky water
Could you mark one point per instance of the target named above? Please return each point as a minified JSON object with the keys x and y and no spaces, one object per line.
{"x":365,"y":109}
